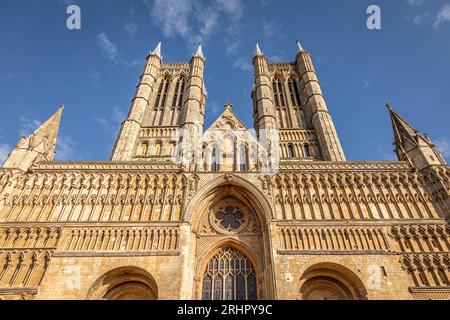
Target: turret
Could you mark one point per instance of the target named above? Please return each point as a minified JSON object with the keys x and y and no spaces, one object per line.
{"x":316,"y":108}
{"x":264,"y":113}
{"x":129,"y":131}
{"x":194,"y":110}
{"x":39,"y":146}
{"x":412,"y":146}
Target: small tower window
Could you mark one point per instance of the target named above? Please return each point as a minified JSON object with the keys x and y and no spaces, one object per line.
{"x":214,"y":160}
{"x":290,"y":151}
{"x":306,"y":151}
{"x":158,"y":148}
{"x":242,"y":158}
{"x":144,"y":148}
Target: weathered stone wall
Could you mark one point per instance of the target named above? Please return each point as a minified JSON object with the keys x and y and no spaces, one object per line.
{"x":64,"y":226}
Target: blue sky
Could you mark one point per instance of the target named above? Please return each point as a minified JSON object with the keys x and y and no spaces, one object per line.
{"x":93,"y":71}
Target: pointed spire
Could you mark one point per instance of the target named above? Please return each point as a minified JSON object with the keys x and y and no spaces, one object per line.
{"x":258,"y":50}
{"x":411,"y":144}
{"x":403,"y":131}
{"x":199,"y":52}
{"x":299,"y":47}
{"x":47,"y":132}
{"x":157,"y":50}
{"x":40,"y":145}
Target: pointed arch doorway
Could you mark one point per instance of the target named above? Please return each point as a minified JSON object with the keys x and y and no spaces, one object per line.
{"x":232,"y":247}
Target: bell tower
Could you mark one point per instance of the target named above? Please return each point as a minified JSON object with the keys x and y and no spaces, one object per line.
{"x":170,"y":98}
{"x":288,"y":97}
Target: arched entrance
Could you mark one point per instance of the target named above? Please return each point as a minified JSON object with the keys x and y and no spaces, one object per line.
{"x":230,"y":223}
{"x":126,"y":283}
{"x":329,"y":281}
{"x":229,"y":275}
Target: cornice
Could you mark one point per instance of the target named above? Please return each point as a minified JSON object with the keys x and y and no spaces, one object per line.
{"x":106,"y":166}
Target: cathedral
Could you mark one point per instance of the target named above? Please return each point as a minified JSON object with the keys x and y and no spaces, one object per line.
{"x":226,"y":212}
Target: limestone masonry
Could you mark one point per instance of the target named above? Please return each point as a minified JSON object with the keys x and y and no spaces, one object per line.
{"x":180,"y":212}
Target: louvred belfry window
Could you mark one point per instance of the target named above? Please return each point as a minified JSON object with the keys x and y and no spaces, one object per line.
{"x":178,"y":93}
{"x":294,"y":93}
{"x":229,"y":276}
{"x":162,"y":93}
{"x":278,"y":94}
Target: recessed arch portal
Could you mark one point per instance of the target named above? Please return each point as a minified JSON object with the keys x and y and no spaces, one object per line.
{"x":331,"y":281}
{"x":125,"y":283}
{"x":230,"y":219}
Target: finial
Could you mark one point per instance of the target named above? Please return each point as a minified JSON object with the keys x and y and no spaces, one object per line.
{"x":228,"y":106}
{"x":199,"y":52}
{"x":61,"y":107}
{"x":258,"y":50}
{"x":299,"y":47}
{"x":389,"y":106}
{"x":157,"y":50}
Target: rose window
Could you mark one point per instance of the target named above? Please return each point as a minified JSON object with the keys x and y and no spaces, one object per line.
{"x":229,"y":219}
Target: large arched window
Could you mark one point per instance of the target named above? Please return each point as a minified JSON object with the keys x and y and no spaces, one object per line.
{"x":229,"y":275}
{"x":278,"y":94}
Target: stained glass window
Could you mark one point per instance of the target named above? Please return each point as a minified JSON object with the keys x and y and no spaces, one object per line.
{"x":232,"y":276}
{"x":229,"y":218}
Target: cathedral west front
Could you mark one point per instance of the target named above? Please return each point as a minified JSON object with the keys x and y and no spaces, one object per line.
{"x":180,"y":211}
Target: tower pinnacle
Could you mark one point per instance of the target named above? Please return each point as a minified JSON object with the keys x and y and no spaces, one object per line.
{"x":258,"y":50}
{"x":299,"y":47}
{"x":199,"y":52}
{"x":39,"y":146}
{"x":413,"y":146}
{"x":157,"y":50}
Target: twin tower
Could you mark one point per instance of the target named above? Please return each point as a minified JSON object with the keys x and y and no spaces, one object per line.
{"x":286,"y":97}
{"x":168,"y":111}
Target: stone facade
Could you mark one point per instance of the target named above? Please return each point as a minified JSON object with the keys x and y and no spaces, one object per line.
{"x":165,"y":220}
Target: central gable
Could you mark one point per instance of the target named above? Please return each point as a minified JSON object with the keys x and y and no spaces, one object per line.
{"x":228,"y":121}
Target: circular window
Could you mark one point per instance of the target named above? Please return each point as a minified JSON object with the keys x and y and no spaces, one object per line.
{"x":228,"y":219}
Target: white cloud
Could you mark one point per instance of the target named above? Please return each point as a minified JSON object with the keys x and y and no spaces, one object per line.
{"x":421,"y":19}
{"x":443,"y":144}
{"x":131,"y":26}
{"x":5,"y":149}
{"x":65,"y":148}
{"x":271,"y":28}
{"x":110,"y":125}
{"x":242,"y":64}
{"x":195,"y":21}
{"x":442,"y":16}
{"x":109,"y":48}
{"x":28,"y":126}
{"x":265,"y":3}
{"x":95,"y":77}
{"x":233,"y":48}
